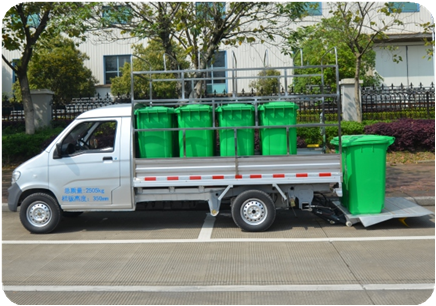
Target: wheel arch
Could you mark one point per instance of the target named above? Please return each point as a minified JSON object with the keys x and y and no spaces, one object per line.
{"x":29,"y":192}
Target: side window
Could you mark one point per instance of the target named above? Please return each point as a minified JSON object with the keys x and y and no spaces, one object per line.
{"x":90,"y":137}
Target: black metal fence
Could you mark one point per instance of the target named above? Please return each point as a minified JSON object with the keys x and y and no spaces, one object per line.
{"x":378,"y":103}
{"x":395,"y":102}
{"x":62,"y":111}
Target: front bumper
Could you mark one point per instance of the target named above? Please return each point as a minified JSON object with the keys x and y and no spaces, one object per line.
{"x":14,"y":196}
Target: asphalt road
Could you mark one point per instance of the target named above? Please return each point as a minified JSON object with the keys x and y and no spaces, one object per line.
{"x":188,"y":257}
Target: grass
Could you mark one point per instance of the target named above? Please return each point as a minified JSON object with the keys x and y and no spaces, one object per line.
{"x":401,"y":158}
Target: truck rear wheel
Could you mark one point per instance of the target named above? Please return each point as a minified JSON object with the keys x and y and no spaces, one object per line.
{"x":40,"y":213}
{"x":253,"y":211}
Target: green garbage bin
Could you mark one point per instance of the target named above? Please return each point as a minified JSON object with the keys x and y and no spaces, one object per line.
{"x":364,"y":170}
{"x":199,"y":143}
{"x":234,"y":115}
{"x":274,"y":141}
{"x":155,"y":144}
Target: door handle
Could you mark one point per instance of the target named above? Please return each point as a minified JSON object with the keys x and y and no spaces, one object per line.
{"x":107,"y":158}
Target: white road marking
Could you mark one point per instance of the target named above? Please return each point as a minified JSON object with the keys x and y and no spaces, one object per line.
{"x":206,"y":230}
{"x":221,"y":240}
{"x":226,"y":288}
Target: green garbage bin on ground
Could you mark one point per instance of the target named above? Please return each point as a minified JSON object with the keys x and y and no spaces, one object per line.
{"x":273,"y":141}
{"x":234,"y":115}
{"x":364,"y":170}
{"x":199,"y":143}
{"x":155,"y":144}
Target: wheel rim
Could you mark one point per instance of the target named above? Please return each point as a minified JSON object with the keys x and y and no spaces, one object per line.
{"x":39,"y":214}
{"x":254,"y":212}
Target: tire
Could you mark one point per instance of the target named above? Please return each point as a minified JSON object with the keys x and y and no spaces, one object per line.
{"x":253,"y":211}
{"x":71,"y":214}
{"x":40,"y":213}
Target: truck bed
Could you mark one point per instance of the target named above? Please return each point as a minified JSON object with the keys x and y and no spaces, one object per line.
{"x":224,"y":171}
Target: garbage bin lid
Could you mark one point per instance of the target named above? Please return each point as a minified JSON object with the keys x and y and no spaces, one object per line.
{"x":278,"y":104}
{"x":194,"y":108}
{"x":235,"y":107}
{"x":154,"y":110}
{"x":359,"y":140}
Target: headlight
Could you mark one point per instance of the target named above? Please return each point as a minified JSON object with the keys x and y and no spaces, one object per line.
{"x":15,"y":176}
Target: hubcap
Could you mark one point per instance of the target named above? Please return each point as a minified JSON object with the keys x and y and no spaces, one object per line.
{"x":253,"y":212}
{"x":39,"y":214}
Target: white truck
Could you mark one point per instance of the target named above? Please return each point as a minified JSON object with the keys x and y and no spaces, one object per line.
{"x":93,"y":165}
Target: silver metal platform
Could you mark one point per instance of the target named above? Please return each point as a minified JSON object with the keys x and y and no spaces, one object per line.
{"x":395,"y":208}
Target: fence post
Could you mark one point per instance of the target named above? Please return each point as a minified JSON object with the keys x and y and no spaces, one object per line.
{"x":349,"y":112}
{"x":42,"y":102}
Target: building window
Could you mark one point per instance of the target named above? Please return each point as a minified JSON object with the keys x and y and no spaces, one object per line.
{"x":213,"y":85}
{"x":314,"y":8}
{"x":33,"y":21}
{"x":113,"y":65}
{"x":118,"y":14}
{"x":208,"y":9}
{"x":14,"y":63}
{"x":405,"y":7}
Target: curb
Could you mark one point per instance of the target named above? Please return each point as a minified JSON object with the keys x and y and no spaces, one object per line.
{"x":423,"y":201}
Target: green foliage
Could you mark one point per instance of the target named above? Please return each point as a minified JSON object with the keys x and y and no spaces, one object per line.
{"x":146,"y":59}
{"x":421,"y":113}
{"x":314,"y":42}
{"x":21,"y":146}
{"x":312,"y":135}
{"x":59,"y":66}
{"x":27,"y":23}
{"x":269,"y":85}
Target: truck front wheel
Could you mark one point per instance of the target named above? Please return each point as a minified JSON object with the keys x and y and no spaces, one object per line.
{"x":253,"y":211}
{"x":40,"y":213}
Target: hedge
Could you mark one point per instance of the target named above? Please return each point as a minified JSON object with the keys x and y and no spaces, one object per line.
{"x":410,"y":134}
{"x":21,"y":146}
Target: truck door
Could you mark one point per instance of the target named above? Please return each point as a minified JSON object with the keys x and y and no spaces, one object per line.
{"x":84,"y":170}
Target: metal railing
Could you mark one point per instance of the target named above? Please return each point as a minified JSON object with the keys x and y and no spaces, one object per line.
{"x":395,"y":102}
{"x":63,"y":111}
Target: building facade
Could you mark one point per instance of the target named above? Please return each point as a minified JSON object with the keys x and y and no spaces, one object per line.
{"x":106,"y":59}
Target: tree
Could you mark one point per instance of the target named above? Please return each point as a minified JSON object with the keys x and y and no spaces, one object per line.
{"x":26,"y":23}
{"x":269,"y":85}
{"x":360,"y":24}
{"x":146,"y":59}
{"x":59,"y":66}
{"x":201,"y":28}
{"x":314,"y":42}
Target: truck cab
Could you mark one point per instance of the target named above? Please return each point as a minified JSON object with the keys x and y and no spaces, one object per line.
{"x":86,"y":168}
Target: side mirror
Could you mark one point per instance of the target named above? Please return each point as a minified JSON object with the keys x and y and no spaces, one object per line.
{"x":57,"y":154}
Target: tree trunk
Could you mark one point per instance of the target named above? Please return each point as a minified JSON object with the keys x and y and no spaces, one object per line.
{"x":357,"y":90}
{"x":29,"y":111}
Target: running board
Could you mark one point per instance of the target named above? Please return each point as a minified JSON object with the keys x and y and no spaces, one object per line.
{"x":395,"y":208}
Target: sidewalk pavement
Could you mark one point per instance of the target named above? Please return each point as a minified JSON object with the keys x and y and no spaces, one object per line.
{"x":415,"y":182}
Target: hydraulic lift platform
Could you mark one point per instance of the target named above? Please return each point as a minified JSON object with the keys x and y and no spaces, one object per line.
{"x":395,"y":208}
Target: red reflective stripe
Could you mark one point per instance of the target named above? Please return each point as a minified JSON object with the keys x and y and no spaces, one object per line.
{"x":325,"y":174}
{"x":255,"y":175}
{"x":218,"y":177}
{"x":172,"y":178}
{"x":150,"y":178}
{"x":238,"y":176}
{"x":195,"y":177}
{"x":301,"y":175}
{"x":278,"y":175}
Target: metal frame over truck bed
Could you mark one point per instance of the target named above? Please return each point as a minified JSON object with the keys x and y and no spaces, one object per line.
{"x":255,"y":185}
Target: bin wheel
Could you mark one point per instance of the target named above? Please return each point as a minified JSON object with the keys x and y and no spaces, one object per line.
{"x":253,"y":211}
{"x":40,"y":213}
